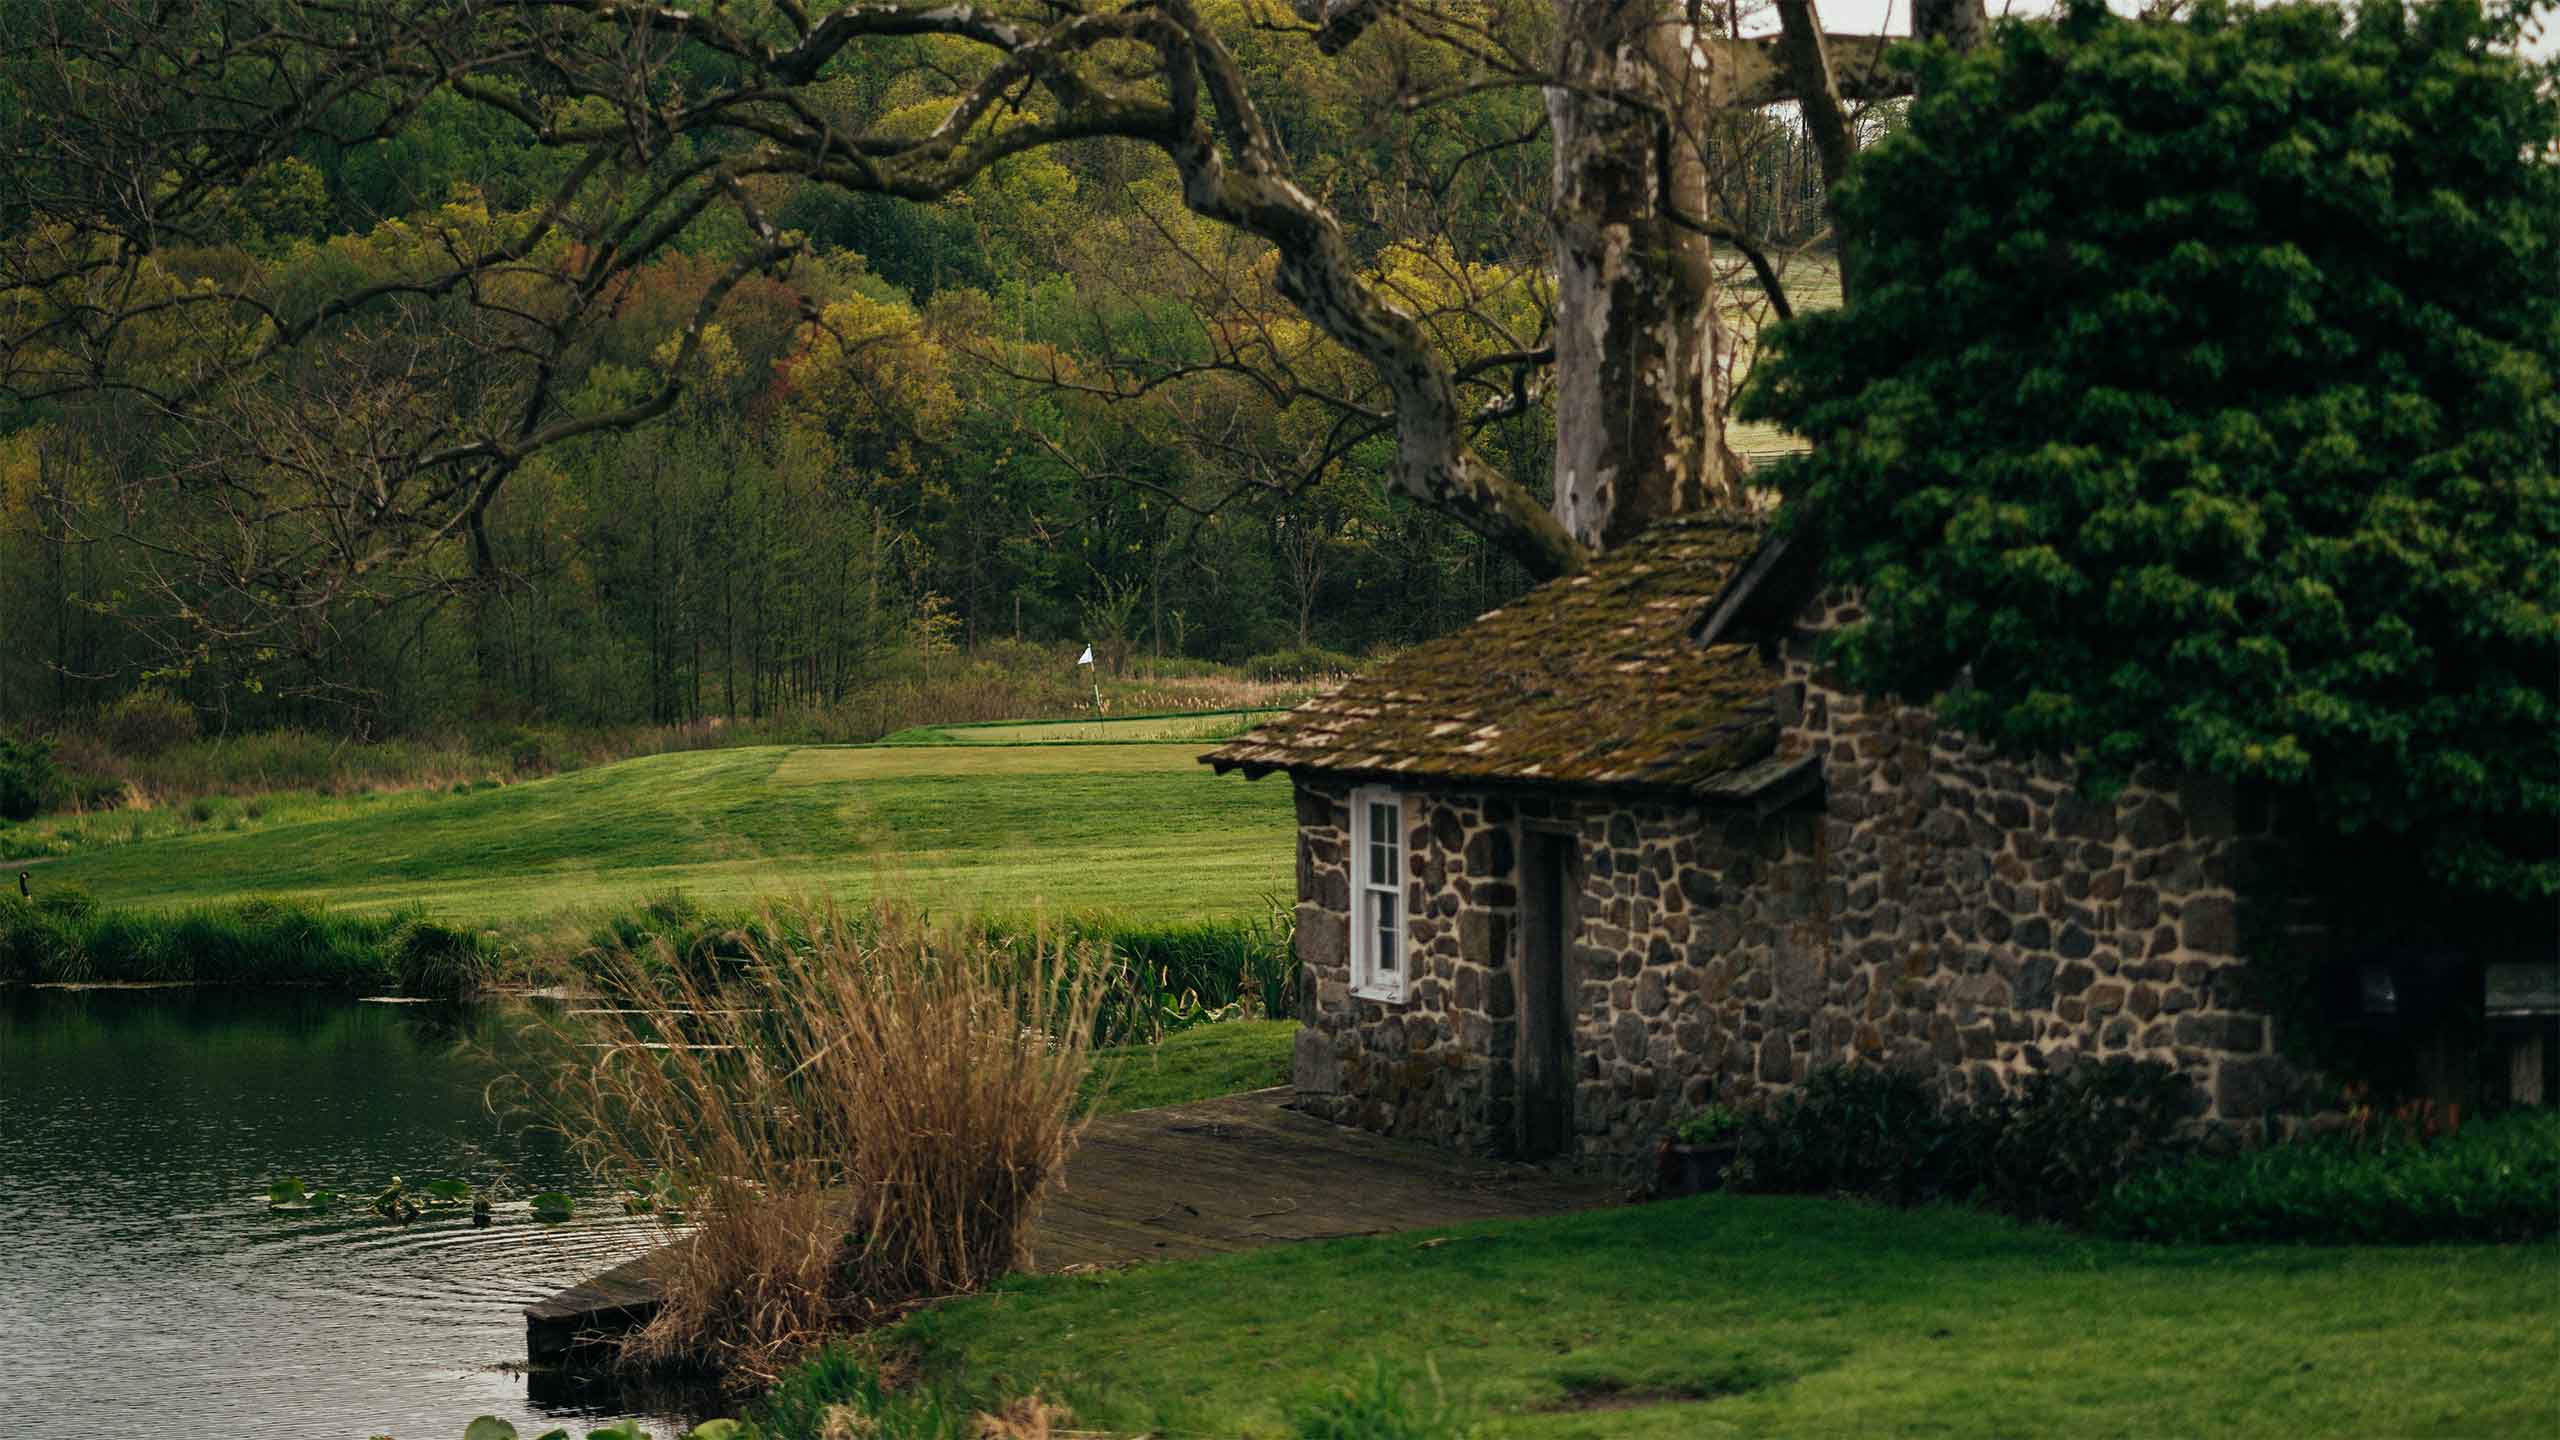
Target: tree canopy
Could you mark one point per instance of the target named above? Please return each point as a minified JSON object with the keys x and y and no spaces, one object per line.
{"x":329,"y":328}
{"x":2198,"y":406}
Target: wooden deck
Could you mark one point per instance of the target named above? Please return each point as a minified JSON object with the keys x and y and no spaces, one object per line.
{"x":1205,"y":1178}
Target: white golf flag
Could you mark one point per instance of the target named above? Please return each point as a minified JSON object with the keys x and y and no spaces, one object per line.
{"x":1087,"y":657}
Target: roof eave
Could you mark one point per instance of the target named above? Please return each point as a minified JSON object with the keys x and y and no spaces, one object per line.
{"x":1763,"y":787}
{"x":1765,"y":594}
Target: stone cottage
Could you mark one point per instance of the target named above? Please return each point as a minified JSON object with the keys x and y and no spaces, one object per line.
{"x":1620,"y":849}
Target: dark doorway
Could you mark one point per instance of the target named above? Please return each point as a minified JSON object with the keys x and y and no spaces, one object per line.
{"x":1544,"y":1065}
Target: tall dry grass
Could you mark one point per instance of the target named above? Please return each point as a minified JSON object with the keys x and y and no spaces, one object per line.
{"x":865,"y":1112}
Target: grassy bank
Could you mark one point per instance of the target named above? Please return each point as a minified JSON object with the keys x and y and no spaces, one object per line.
{"x":1771,"y":1317}
{"x":1169,"y":977}
{"x":1200,"y":1063}
{"x":69,"y":939}
{"x":1137,"y":830}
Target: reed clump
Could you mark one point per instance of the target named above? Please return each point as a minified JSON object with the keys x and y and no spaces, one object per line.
{"x":856,"y":1113}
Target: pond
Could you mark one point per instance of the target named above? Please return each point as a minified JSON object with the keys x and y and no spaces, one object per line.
{"x":146,"y":1289}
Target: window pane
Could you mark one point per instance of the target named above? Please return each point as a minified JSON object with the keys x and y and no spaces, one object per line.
{"x":1388,"y":936}
{"x":1382,"y":844}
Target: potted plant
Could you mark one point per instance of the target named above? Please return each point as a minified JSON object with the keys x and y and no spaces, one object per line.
{"x":1697,"y":1151}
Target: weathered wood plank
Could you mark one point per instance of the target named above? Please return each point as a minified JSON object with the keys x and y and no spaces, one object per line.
{"x":1207,"y":1178}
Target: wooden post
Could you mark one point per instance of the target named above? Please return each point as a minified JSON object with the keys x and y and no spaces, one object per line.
{"x":2526,"y":997}
{"x":2524,"y":1068}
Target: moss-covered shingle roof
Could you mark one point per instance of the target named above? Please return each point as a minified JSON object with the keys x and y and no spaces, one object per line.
{"x":1588,"y":680}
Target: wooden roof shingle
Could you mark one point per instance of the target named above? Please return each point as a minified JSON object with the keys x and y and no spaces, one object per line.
{"x":1591,"y":680}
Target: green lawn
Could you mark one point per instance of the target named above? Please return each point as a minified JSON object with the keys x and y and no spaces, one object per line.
{"x":1207,"y":725}
{"x":1195,"y":1064}
{"x":1813,"y":283}
{"x":1734,"y":1316}
{"x":1141,"y":830}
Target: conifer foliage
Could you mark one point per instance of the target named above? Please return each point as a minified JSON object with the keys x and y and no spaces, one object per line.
{"x":2198,"y":406}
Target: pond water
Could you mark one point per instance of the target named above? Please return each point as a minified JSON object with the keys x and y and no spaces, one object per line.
{"x":145,"y":1289}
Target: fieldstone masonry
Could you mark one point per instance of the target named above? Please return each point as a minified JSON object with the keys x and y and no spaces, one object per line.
{"x":1936,"y":905}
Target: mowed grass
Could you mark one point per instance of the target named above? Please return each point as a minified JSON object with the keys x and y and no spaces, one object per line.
{"x":1139,"y":831}
{"x":1813,"y":283}
{"x":1756,"y":1316}
{"x":1211,"y":726}
{"x":1200,"y":1063}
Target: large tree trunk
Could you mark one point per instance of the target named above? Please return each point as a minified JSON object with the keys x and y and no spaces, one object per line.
{"x":1638,"y":433}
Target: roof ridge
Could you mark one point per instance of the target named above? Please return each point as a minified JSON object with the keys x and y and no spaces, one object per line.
{"x":1595,"y":684}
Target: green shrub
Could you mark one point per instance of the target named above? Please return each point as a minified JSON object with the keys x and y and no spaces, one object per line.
{"x":531,"y":755}
{"x":2067,"y":1137}
{"x":433,"y":959}
{"x":146,"y":721}
{"x":1303,"y":662}
{"x":2492,"y":1180}
{"x":30,"y":783}
{"x":1710,"y":1125}
{"x":1857,"y":1129}
{"x":2046,"y":1152}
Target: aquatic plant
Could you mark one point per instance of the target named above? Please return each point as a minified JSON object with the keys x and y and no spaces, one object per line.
{"x":438,"y":961}
{"x":866,"y":1113}
{"x":401,"y":1202}
{"x":490,"y":1427}
{"x":291,"y":1196}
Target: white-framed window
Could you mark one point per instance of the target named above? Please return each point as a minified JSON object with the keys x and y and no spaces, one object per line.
{"x":1379,"y":958}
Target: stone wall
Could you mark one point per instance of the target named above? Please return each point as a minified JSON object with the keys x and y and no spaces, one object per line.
{"x":1987,"y":920}
{"x":1936,"y":906}
{"x":1694,"y":967}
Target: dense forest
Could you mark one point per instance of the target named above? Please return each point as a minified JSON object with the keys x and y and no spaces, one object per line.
{"x":1054,"y":407}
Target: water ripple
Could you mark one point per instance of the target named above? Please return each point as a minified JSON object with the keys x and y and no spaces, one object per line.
{"x":146,"y":1290}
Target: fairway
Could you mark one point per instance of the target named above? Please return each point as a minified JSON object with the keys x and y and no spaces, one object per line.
{"x":1140,"y":830}
{"x":1210,"y":725}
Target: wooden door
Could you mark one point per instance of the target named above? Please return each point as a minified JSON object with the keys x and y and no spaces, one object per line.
{"x":1544,"y":1065}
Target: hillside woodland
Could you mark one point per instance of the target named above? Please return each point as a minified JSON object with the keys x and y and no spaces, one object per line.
{"x":791,"y":427}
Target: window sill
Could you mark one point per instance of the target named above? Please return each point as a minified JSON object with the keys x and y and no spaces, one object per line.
{"x":1383,"y":997}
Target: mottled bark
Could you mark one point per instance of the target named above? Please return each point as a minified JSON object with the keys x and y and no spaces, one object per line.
{"x":1638,"y":434}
